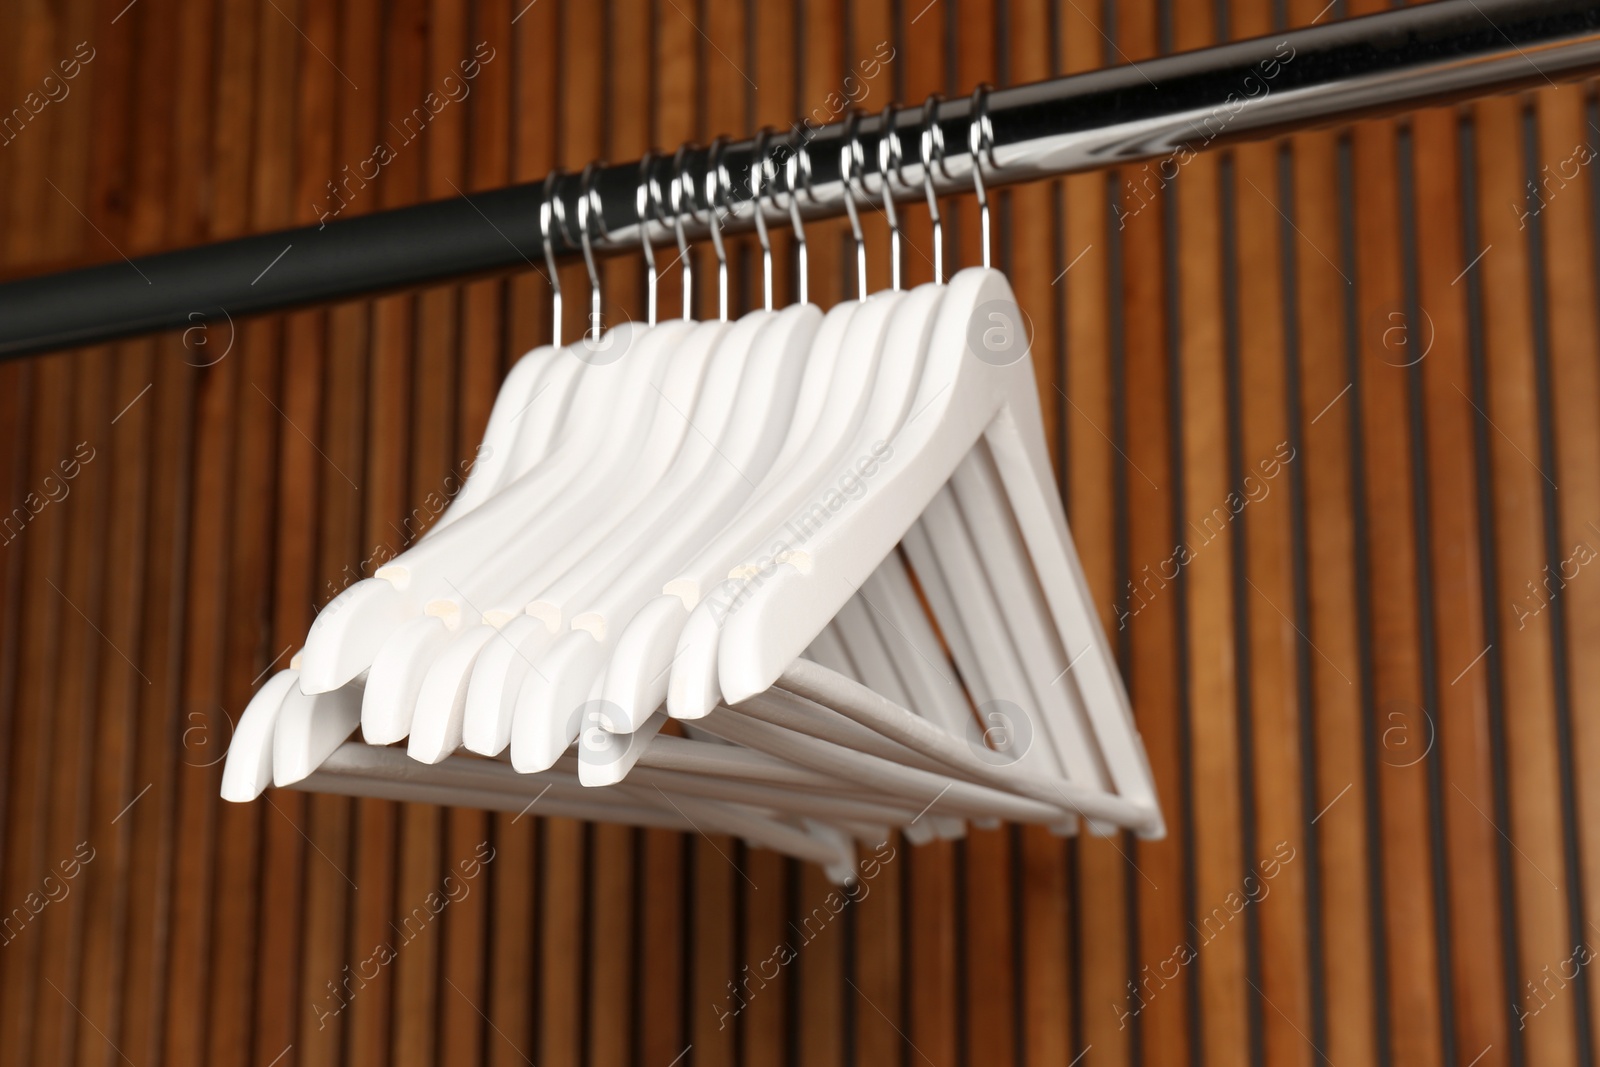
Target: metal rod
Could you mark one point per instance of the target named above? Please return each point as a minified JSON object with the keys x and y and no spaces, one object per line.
{"x":1161,"y":109}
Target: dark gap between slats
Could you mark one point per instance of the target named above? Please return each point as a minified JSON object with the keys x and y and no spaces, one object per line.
{"x":636,"y":979}
{"x":686,"y":981}
{"x":1119,"y":492}
{"x":1239,"y":551}
{"x":963,"y":951}
{"x":1363,"y":577}
{"x":741,"y":919}
{"x":1004,"y":259}
{"x":1405,"y":154}
{"x":1185,"y":693}
{"x":1316,"y":958}
{"x":792,"y":1019}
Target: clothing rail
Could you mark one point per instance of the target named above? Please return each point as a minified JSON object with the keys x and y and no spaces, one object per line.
{"x":1157,"y":109}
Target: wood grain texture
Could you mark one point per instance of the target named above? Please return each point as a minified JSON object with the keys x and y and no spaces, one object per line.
{"x":1367,"y":693}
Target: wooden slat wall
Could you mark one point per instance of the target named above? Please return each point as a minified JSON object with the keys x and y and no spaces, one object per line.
{"x":1369,"y":698}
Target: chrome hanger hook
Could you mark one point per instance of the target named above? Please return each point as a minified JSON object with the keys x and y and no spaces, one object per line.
{"x":679,"y":180}
{"x":980,"y":143}
{"x":552,"y":213}
{"x":798,"y":166}
{"x":889,"y":161}
{"x":932,"y":150}
{"x":647,"y":205}
{"x":716,"y":188}
{"x":850,"y":166}
{"x":590,"y":211}
{"x":758,"y":178}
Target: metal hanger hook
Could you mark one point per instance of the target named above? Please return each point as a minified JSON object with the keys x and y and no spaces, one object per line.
{"x":850,"y":167}
{"x":980,"y":144}
{"x":758,"y":180}
{"x":647,"y":205}
{"x":717,"y":183}
{"x":797,"y":172}
{"x":680,"y":180}
{"x":591,"y":216}
{"x":889,"y":160}
{"x":933,"y":151}
{"x":552,"y":213}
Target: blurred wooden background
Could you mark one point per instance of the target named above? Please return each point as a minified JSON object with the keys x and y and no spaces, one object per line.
{"x":1376,"y":668}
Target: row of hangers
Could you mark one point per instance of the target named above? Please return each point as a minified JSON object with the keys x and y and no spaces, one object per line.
{"x":803,"y":578}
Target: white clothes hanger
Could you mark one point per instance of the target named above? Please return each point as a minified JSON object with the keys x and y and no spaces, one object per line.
{"x":705,"y":499}
{"x":507,"y":434}
{"x":930,"y":682}
{"x":608,"y":766}
{"x":679,"y":360}
{"x":310,"y":727}
{"x":1004,"y":661}
{"x":247,"y":771}
{"x":701,"y":494}
{"x":310,"y":753}
{"x":593,"y":555}
{"x":498,"y":674}
{"x":861,"y":437}
{"x":251,"y":760}
{"x":973,"y":529}
{"x":601,"y":426}
{"x":830,"y":694}
{"x":669,"y":424}
{"x":845,"y":616}
{"x":306,"y":739}
{"x":395,"y":679}
{"x":364,"y":770}
{"x":636,"y":676}
{"x":847,"y":391}
{"x":962,"y":399}
{"x":948,"y":794}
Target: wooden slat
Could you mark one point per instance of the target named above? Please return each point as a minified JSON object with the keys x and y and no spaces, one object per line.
{"x":25,"y":860}
{"x":287,"y":911}
{"x":1343,"y":768}
{"x":173,"y":397}
{"x":611,"y":917}
{"x":242,"y":881}
{"x":717,"y":877}
{"x":67,"y":818}
{"x":323,"y":1024}
{"x":463,"y":996}
{"x":1102,"y":958}
{"x":988,"y":965}
{"x":1030,"y":229}
{"x":817,"y":1031}
{"x":1382,"y":393}
{"x":766,"y":1029}
{"x":523,"y":63}
{"x":1211,"y":583}
{"x":1275,"y":871}
{"x":1149,"y":642}
{"x":230,"y":429}
{"x":81,"y":584}
{"x":15,"y":472}
{"x":919,"y":988}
